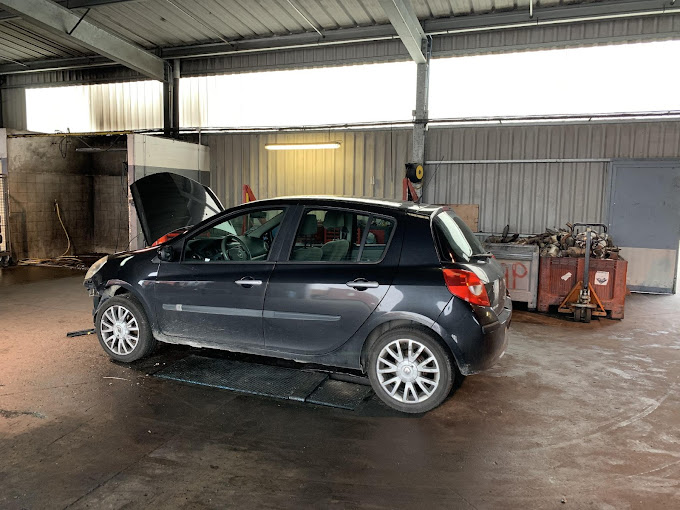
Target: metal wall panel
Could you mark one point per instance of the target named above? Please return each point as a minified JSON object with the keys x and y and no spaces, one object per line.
{"x":322,"y":56}
{"x":368,"y":163}
{"x":125,"y":106}
{"x":558,"y":36}
{"x":532,"y":196}
{"x":104,"y":74}
{"x":528,"y":196}
{"x":13,"y":108}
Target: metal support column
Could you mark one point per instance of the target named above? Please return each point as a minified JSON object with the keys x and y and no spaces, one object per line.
{"x":420,"y":114}
{"x":2,"y":122}
{"x":168,"y":100}
{"x":175,"y":97}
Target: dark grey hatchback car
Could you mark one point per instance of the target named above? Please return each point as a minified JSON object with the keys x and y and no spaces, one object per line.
{"x":403,"y":292}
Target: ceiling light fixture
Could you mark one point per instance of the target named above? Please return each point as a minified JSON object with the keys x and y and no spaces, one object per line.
{"x":301,"y":146}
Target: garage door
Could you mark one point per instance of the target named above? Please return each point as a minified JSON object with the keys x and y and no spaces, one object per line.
{"x":644,"y":219}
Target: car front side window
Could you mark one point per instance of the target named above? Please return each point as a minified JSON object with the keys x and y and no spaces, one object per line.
{"x":243,"y":238}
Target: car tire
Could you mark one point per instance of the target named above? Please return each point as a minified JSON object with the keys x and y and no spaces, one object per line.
{"x":419,"y":381}
{"x":123,"y":329}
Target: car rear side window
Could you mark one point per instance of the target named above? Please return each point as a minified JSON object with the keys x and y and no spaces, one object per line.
{"x":456,"y":241}
{"x":336,"y":235}
{"x":379,"y":233}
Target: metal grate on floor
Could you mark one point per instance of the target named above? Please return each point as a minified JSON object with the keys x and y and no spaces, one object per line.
{"x":266,"y":380}
{"x":344,"y":395}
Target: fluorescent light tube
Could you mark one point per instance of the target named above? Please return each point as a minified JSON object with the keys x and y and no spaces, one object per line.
{"x":301,"y":146}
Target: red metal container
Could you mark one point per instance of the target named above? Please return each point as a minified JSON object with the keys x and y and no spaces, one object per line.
{"x":608,"y":278}
{"x":557,"y":276}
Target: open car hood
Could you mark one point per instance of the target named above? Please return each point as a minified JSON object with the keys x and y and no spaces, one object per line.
{"x":167,"y":202}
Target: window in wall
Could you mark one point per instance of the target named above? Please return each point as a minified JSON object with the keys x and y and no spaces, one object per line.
{"x":58,"y":109}
{"x":622,"y":78}
{"x":329,"y":95}
{"x":87,"y":108}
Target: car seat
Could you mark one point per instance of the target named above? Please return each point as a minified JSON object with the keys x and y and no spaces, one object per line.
{"x":337,"y":249}
{"x":308,"y":230}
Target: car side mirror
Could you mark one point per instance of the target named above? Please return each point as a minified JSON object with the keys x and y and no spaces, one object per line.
{"x":165,"y":253}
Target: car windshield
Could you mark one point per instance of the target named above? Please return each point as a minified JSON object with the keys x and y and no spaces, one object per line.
{"x":456,"y":241}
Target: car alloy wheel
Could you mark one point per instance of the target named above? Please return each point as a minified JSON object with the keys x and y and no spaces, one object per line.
{"x":408,"y":371}
{"x":119,"y":330}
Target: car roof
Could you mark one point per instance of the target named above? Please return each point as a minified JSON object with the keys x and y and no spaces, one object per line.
{"x":385,"y":203}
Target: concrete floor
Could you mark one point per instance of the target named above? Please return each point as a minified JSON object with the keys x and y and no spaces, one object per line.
{"x":574,"y":416}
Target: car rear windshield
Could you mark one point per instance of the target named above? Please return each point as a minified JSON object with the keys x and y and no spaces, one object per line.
{"x":456,"y":241}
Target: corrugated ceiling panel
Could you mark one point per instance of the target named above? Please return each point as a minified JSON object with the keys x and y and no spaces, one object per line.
{"x":374,"y":10}
{"x":368,"y":163}
{"x":21,"y":41}
{"x":440,"y":8}
{"x":154,"y":23}
{"x":162,"y":23}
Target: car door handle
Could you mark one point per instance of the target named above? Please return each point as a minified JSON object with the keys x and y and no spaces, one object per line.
{"x":247,"y":282}
{"x":363,"y":284}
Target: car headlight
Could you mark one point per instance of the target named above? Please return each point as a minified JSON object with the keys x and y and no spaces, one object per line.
{"x":96,"y":267}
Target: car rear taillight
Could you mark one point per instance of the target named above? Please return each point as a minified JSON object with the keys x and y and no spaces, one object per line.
{"x":466,"y":285}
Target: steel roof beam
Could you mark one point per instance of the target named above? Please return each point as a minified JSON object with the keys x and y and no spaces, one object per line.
{"x":69,"y":4}
{"x":403,"y":18}
{"x":62,"y":21}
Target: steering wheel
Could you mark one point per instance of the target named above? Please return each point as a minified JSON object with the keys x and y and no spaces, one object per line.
{"x":234,"y":248}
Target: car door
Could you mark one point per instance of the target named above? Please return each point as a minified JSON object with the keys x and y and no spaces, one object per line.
{"x":215,"y":293}
{"x":331,"y":279}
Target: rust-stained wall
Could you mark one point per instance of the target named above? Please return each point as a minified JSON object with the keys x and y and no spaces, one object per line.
{"x":83,"y":184}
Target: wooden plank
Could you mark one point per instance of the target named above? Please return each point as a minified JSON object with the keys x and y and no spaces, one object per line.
{"x":469,"y":213}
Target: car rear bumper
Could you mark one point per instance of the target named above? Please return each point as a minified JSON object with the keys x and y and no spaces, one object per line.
{"x":478,"y":339}
{"x":494,"y":340}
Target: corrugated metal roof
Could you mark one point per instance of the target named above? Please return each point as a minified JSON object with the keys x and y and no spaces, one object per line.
{"x":156,"y":24}
{"x":20,"y":40}
{"x":159,"y":23}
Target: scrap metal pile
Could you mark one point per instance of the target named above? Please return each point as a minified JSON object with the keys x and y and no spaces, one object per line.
{"x":564,"y":242}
